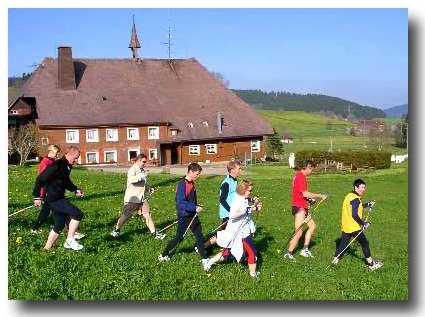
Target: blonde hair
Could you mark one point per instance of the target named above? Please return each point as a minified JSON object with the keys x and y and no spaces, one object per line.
{"x":233,"y":164}
{"x":53,"y":148}
{"x":243,"y":187}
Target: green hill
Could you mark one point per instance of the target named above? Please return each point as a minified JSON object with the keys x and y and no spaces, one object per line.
{"x":286,"y":101}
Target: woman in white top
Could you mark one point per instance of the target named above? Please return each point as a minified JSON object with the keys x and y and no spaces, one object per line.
{"x":236,"y":238}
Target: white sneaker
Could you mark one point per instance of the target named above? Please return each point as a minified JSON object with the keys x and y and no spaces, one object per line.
{"x":163,"y":258}
{"x":306,"y":253}
{"x":254,"y":274}
{"x":289,"y":256}
{"x":375,"y":265}
{"x":206,"y":264}
{"x":335,"y":261}
{"x":72,"y":244}
{"x":79,"y":235}
{"x":160,"y":236}
{"x":115,"y":233}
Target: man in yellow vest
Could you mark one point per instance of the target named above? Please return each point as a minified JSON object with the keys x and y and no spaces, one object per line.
{"x":353,"y":225}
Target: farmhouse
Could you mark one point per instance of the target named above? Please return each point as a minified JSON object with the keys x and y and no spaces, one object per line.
{"x":173,"y":110}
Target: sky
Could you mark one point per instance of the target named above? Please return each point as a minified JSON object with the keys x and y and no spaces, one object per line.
{"x":356,"y":54}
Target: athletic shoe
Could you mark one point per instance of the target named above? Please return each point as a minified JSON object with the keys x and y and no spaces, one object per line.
{"x":254,"y":274}
{"x":206,"y":264}
{"x":306,"y":253}
{"x":196,"y":250}
{"x":163,"y":258}
{"x":115,"y":233}
{"x":375,"y":265}
{"x":79,"y":235}
{"x":159,"y":235}
{"x":335,"y":261}
{"x":289,"y":256}
{"x":36,"y":231}
{"x":72,"y":244}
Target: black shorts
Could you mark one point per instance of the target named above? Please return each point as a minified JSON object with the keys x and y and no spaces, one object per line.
{"x":296,"y":210}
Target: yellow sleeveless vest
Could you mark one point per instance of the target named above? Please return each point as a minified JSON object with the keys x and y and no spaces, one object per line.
{"x":348,"y":224}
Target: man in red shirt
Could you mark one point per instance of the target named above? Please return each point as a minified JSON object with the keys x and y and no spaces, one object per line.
{"x":300,"y":206}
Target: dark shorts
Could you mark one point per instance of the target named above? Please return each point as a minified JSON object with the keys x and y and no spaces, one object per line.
{"x":130,"y":209}
{"x":62,"y":211}
{"x":296,"y":210}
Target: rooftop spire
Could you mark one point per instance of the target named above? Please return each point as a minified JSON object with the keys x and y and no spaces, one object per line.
{"x":134,"y":41}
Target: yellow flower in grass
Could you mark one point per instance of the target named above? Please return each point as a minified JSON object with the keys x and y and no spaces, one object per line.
{"x":18,"y":240}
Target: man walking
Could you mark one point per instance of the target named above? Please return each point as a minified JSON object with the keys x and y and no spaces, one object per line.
{"x":187,"y":214}
{"x":300,"y":210}
{"x":134,"y":198}
{"x":352,"y":224}
{"x":55,"y":179}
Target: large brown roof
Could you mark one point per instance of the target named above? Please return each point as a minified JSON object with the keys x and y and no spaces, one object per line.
{"x":112,"y":92}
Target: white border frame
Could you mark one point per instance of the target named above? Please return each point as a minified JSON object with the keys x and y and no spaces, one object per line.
{"x":110,"y":151}
{"x":215,"y":148}
{"x":259,"y":146}
{"x":151,"y":138}
{"x":156,"y":154}
{"x":92,"y":152}
{"x":199,"y":149}
{"x":77,"y":136}
{"x":97,"y":134}
{"x":111,"y":140}
{"x":138,"y":133}
{"x":132,"y":149}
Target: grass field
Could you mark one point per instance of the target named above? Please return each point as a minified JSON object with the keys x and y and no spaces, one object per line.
{"x":127,"y":268}
{"x":313,"y":131}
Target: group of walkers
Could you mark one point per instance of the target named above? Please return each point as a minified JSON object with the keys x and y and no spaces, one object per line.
{"x":234,"y":235}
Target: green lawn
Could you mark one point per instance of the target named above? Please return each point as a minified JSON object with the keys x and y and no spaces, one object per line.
{"x":127,"y":268}
{"x":316,"y":132}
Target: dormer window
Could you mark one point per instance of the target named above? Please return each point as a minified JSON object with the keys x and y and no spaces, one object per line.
{"x":205,"y":123}
{"x":173,"y":132}
{"x":190,"y":125}
{"x":14,"y":111}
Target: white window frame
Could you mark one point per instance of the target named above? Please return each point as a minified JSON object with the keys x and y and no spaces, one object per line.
{"x":92,"y":152}
{"x":192,"y":147}
{"x":254,"y":144}
{"x":156,"y":154}
{"x":137,"y":134}
{"x":77,"y":134}
{"x":173,"y":132}
{"x":115,"y":139}
{"x":96,"y":139}
{"x":134,"y":149}
{"x":110,"y":151}
{"x":156,"y":136}
{"x":44,"y":141}
{"x":14,"y":111}
{"x":212,"y":146}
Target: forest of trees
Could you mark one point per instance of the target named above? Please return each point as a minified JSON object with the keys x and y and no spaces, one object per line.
{"x":286,"y":101}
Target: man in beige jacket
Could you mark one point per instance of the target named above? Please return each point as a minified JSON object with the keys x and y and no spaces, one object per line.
{"x":134,"y":198}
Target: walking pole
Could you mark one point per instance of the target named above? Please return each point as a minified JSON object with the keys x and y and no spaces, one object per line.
{"x":306,"y":220}
{"x":196,"y":214}
{"x":170,"y":225}
{"x":216,"y":229}
{"x":19,"y":211}
{"x":363,"y":229}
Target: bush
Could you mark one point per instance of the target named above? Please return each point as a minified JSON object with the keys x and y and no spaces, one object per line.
{"x":358,"y":159}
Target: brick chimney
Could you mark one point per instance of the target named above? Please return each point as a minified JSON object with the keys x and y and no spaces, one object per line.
{"x":66,"y":71}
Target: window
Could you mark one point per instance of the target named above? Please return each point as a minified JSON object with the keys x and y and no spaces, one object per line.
{"x":44,"y":141}
{"x":111,"y":135}
{"x":173,"y":132}
{"x":153,"y":133}
{"x":132,"y":133}
{"x":205,"y":123}
{"x":92,"y":157}
{"x":110,"y":156}
{"x":153,"y":154}
{"x":92,"y":135}
{"x":255,"y":146}
{"x":194,"y":149}
{"x":14,"y":112}
{"x":190,"y":124}
{"x":211,"y":148}
{"x":132,"y":153}
{"x":72,"y":136}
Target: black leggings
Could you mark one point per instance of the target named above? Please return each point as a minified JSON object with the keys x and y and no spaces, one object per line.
{"x":181,"y":228}
{"x":345,"y":239}
{"x":62,"y":209}
{"x":42,"y":216}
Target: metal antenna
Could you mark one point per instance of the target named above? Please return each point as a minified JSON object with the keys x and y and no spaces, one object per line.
{"x":169,"y":44}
